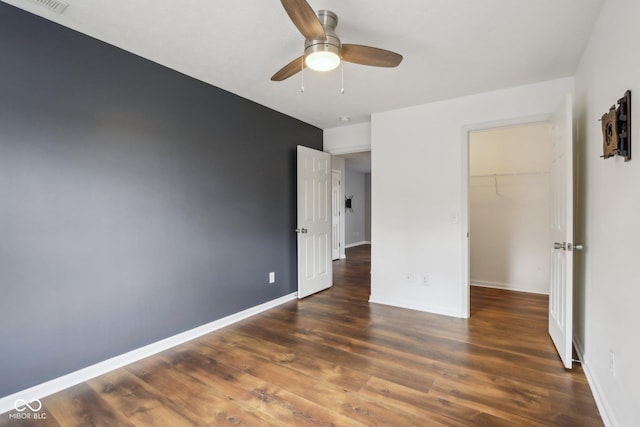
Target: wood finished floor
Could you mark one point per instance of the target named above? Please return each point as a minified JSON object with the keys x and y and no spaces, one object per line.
{"x":335,"y":359}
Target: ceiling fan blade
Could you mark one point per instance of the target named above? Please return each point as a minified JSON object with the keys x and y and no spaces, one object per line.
{"x":289,"y":70}
{"x":304,"y":18}
{"x":366,"y":55}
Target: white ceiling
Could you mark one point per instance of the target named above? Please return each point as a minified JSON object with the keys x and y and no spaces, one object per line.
{"x":450,"y":47}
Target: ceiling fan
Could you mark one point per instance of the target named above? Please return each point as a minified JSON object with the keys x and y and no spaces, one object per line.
{"x":323,"y":50}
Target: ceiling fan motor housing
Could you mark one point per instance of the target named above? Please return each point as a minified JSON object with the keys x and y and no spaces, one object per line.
{"x":331,"y":43}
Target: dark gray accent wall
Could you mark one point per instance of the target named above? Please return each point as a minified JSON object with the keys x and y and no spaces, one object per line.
{"x":135,"y":202}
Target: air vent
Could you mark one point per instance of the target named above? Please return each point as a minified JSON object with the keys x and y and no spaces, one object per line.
{"x":53,"y":5}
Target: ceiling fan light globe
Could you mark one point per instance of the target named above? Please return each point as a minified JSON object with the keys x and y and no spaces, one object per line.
{"x":322,"y":60}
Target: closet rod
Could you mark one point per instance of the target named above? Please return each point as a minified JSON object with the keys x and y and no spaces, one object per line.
{"x":496,"y":175}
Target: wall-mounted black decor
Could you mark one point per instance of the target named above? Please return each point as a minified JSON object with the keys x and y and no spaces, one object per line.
{"x":347,"y":203}
{"x":616,"y":129}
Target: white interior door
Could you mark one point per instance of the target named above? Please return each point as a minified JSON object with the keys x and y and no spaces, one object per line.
{"x":336,"y":208}
{"x":561,"y":238}
{"x":314,"y":221}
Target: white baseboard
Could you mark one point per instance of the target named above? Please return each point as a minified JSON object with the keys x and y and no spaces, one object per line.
{"x":351,"y":245}
{"x":505,"y":286}
{"x":606,"y":413}
{"x":415,"y":306}
{"x":58,"y":384}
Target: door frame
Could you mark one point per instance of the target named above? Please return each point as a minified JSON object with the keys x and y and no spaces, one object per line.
{"x":340,"y":226}
{"x":464,"y":214}
{"x":338,"y":152}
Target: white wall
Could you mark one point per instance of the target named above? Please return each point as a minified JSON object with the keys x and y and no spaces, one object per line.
{"x":355,"y":220}
{"x":419,"y":180}
{"x":348,"y":139}
{"x":509,"y":207}
{"x":514,"y":149}
{"x":608,"y":191}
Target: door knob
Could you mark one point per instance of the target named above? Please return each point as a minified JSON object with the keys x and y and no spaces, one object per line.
{"x":557,"y":245}
{"x":301,"y":230}
{"x":574,"y":247}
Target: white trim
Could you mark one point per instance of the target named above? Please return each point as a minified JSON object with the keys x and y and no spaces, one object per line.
{"x":340,"y":216}
{"x":501,"y":124}
{"x":465,"y":227}
{"x":466,"y":131}
{"x":606,"y":413}
{"x":351,"y":245}
{"x":411,"y":305}
{"x":505,"y":286}
{"x":45,"y":389}
{"x":349,"y":150}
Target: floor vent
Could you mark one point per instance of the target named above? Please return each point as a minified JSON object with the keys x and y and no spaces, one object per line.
{"x":53,"y":5}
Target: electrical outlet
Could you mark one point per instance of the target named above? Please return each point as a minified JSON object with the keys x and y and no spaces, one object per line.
{"x":272,"y":277}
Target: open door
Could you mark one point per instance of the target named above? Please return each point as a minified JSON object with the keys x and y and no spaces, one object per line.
{"x":314,"y":221}
{"x":561,"y":238}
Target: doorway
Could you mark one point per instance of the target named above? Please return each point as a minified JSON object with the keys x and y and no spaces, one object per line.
{"x":356,"y":201}
{"x":509,"y":202}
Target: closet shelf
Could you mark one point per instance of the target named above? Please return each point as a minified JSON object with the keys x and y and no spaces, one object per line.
{"x":491,"y":175}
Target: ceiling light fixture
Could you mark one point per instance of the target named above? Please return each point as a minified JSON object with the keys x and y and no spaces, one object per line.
{"x":323,"y":49}
{"x":324,"y":60}
{"x":324,"y":54}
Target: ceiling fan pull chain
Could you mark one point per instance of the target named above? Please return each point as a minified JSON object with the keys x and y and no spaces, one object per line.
{"x":342,"y":71}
